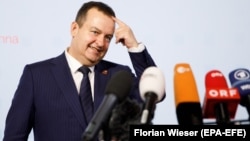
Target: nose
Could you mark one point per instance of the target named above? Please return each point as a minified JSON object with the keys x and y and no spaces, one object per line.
{"x":100,"y":41}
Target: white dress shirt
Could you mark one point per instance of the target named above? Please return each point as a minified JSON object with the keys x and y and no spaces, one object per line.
{"x":74,"y":65}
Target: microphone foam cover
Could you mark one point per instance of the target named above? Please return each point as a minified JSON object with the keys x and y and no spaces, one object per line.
{"x":184,"y":85}
{"x":217,"y":92}
{"x":215,"y":79}
{"x":120,"y":85}
{"x":152,"y":80}
{"x":240,"y":79}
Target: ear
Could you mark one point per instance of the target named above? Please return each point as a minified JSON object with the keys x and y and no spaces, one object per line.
{"x":74,"y":29}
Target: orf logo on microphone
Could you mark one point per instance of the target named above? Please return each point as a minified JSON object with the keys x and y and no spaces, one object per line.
{"x":223,"y":93}
{"x":217,"y":95}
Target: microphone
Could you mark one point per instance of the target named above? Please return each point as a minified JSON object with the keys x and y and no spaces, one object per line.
{"x":123,"y":115}
{"x":152,"y":90}
{"x":188,"y":107}
{"x":240,"y":79}
{"x":117,"y":90}
{"x":220,"y":102}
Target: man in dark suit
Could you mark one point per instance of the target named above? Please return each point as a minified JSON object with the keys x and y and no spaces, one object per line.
{"x":47,"y":97}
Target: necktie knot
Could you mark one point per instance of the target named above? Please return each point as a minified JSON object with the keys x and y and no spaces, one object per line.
{"x":85,"y":70}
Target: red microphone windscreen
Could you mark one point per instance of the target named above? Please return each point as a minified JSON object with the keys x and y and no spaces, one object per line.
{"x":215,"y":79}
{"x":217,"y":91}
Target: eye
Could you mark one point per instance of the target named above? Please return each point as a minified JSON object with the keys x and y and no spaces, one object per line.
{"x":108,"y":38}
{"x":95,"y":32}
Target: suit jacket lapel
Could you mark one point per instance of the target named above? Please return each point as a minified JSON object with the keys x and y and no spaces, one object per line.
{"x":65,"y":81}
{"x":102,"y":75}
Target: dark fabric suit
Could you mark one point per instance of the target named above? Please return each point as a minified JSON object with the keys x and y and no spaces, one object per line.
{"x":46,"y":99}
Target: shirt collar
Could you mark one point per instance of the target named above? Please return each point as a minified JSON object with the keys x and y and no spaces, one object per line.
{"x":74,"y":64}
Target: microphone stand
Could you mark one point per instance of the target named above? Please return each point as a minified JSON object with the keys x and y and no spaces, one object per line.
{"x":246,"y":101}
{"x":222,"y":114}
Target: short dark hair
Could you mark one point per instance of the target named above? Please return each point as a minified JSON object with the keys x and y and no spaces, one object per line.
{"x":82,"y":12}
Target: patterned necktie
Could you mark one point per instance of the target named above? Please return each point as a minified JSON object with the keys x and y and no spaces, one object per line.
{"x":85,"y":94}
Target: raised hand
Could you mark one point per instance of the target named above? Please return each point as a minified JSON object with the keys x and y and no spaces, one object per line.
{"x":124,"y":34}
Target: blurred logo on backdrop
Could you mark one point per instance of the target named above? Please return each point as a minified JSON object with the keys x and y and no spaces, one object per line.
{"x":9,"y":39}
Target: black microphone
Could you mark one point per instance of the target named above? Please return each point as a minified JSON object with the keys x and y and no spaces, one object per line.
{"x":152,"y":91}
{"x":116,"y":91}
{"x":240,"y":79}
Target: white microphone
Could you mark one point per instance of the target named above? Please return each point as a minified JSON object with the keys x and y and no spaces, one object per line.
{"x":152,"y":91}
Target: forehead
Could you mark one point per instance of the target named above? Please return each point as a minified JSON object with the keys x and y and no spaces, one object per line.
{"x":100,"y":20}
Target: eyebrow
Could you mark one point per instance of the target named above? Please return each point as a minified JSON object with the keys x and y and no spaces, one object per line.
{"x":95,"y":28}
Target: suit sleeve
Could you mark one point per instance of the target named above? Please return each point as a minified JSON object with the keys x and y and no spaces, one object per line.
{"x":19,"y":120}
{"x":141,"y":61}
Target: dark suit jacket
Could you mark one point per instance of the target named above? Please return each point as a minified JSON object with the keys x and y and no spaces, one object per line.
{"x":46,"y":99}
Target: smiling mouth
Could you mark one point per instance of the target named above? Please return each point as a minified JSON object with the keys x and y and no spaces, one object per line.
{"x":96,"y":48}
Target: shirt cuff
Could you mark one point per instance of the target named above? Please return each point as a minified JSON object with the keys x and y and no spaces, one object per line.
{"x":140,"y":48}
